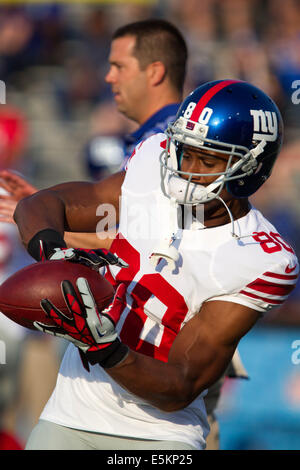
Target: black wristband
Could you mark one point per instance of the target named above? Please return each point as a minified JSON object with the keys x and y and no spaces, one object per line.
{"x":51,"y":239}
{"x":110,"y":356}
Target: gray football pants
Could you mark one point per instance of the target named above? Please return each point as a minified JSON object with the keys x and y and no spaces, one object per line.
{"x":51,"y":436}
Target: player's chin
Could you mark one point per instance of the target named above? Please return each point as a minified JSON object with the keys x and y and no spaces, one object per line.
{"x":118,"y":99}
{"x":211,"y":206}
{"x":120,"y":106}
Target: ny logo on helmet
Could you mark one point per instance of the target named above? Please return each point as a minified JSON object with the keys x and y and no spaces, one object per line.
{"x":265,"y":125}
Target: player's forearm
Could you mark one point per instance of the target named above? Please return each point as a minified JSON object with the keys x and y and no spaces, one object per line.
{"x":166,"y":386}
{"x":68,"y":206}
{"x":194,"y":364}
{"x":89,"y":240}
{"x":40,"y":211}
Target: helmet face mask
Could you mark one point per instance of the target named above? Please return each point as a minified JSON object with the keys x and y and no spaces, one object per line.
{"x":230,"y":118}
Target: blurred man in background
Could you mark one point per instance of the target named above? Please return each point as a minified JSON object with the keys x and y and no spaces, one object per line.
{"x":147,"y":72}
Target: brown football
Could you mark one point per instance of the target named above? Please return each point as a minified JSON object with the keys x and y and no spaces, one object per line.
{"x":21,"y":293}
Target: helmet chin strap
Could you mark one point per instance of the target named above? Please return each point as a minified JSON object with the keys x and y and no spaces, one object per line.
{"x":254,"y":152}
{"x":234,"y":235}
{"x":230,"y":216}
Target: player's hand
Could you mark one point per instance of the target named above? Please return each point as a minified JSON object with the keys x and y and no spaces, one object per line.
{"x":48,"y":244}
{"x":93,"y":332}
{"x":15,"y":185}
{"x":7,"y":209}
{"x":15,"y":188}
{"x":94,"y":259}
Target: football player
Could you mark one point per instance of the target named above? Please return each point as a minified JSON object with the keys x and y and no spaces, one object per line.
{"x":134,"y":376}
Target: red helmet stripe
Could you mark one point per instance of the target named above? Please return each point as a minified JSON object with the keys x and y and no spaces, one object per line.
{"x":208,"y":96}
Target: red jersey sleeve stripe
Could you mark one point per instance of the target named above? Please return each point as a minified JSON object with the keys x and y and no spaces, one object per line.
{"x":281,"y":276}
{"x":268,"y":301}
{"x":271,"y":287}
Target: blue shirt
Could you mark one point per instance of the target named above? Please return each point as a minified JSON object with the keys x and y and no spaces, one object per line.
{"x":158,"y":122}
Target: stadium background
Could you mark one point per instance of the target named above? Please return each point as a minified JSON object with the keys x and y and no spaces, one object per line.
{"x":53,"y":60}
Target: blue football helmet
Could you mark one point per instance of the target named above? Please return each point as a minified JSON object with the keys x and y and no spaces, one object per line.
{"x":229,"y":117}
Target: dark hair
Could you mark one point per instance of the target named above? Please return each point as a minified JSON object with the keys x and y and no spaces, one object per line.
{"x":158,"y":40}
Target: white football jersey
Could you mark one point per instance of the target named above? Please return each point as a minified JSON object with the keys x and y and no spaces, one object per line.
{"x":173,"y":270}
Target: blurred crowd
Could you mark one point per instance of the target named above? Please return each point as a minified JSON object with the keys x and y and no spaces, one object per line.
{"x":60,"y":123}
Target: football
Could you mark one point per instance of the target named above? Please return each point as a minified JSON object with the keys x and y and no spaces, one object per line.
{"x":21,"y":293}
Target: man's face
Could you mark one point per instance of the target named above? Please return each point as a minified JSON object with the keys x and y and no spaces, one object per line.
{"x":128,"y":81}
{"x":204,"y":164}
{"x":202,"y":161}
